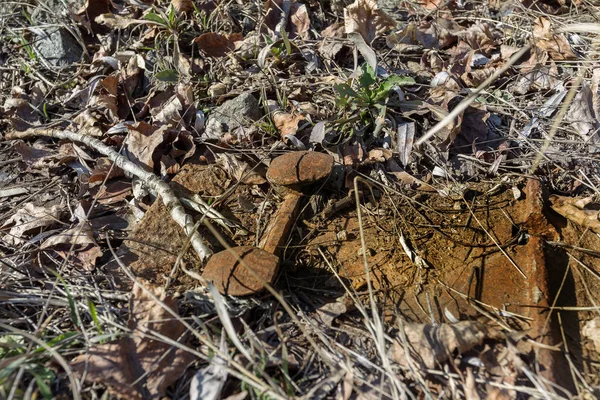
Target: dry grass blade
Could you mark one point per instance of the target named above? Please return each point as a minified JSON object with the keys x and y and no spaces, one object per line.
{"x":464,"y":104}
{"x":461,"y":266}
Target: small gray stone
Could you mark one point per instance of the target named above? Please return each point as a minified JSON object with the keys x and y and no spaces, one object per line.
{"x":58,"y":47}
{"x":232,"y":114}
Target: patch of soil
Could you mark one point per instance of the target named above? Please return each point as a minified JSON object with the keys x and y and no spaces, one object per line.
{"x":153,"y":246}
{"x":486,"y":254}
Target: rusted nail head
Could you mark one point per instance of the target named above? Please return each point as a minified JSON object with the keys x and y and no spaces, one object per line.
{"x":232,"y":278}
{"x":299,"y":168}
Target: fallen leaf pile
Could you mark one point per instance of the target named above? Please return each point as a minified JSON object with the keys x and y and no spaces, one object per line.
{"x":142,"y":364}
{"x":231,"y":85}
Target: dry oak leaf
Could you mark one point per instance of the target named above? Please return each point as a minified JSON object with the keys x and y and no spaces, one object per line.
{"x":115,"y":21}
{"x":240,"y":170}
{"x":435,"y":344}
{"x":215,"y":44}
{"x":481,"y":37}
{"x":432,"y":4}
{"x":582,"y":116}
{"x":574,"y":210}
{"x":298,"y":23}
{"x":140,"y":365}
{"x":287,"y":123}
{"x":104,"y":170}
{"x":142,"y":142}
{"x":183,"y":6}
{"x":365,"y":17}
{"x":556,"y":45}
{"x":29,"y":218}
{"x":79,"y":240}
{"x":331,"y":44}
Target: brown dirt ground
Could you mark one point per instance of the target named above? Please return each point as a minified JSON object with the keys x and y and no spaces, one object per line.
{"x":474,"y":245}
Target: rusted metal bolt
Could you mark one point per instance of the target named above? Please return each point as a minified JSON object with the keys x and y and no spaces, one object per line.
{"x":288,"y":174}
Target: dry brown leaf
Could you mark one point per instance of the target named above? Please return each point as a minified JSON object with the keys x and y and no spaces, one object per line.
{"x":104,"y":169}
{"x":574,"y":210}
{"x":450,"y":131}
{"x":331,"y":44}
{"x":169,"y":112}
{"x":106,"y":97}
{"x":405,"y":40}
{"x":79,"y":243}
{"x":556,"y":45}
{"x":113,"y":191}
{"x":432,"y":4}
{"x":298,"y":23}
{"x":435,"y":344}
{"x":142,"y":141}
{"x":581,"y":113}
{"x":132,"y":74}
{"x":29,"y":218}
{"x":330,"y":311}
{"x":88,"y":124}
{"x":481,"y":37}
{"x":240,"y":170}
{"x":36,"y":156}
{"x":287,"y":123}
{"x":406,"y":179}
{"x":591,"y":331}
{"x":335,"y":30}
{"x":476,"y":77}
{"x":22,"y":115}
{"x":438,"y":34}
{"x":114,"y":21}
{"x":365,"y":17}
{"x":215,"y":44}
{"x":183,"y":6}
{"x":138,"y":366}
{"x":539,"y":79}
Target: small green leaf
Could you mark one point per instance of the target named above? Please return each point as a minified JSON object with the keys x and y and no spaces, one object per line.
{"x":42,"y":386}
{"x":9,"y":368}
{"x":367,"y":77}
{"x":286,"y":41}
{"x":72,"y":306}
{"x":94,"y":314}
{"x":167,"y":75}
{"x":389,"y":83}
{"x":155,"y":18}
{"x":57,"y":340}
{"x":172,"y":14}
{"x":345,"y":90}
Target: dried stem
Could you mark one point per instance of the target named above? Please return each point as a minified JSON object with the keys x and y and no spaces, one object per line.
{"x":163,"y":189}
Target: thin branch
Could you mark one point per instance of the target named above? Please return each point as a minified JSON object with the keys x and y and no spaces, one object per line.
{"x":167,"y":194}
{"x":463,"y":105}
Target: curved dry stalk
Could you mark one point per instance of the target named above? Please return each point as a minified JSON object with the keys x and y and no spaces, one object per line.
{"x":167,"y":194}
{"x":467,"y":101}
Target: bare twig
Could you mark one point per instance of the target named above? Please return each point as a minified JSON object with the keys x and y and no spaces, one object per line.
{"x":169,"y":198}
{"x":463,"y":105}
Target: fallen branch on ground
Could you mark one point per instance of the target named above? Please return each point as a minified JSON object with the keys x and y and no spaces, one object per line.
{"x":163,"y":189}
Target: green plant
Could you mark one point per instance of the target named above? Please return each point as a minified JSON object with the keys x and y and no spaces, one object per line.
{"x":370,"y":91}
{"x":17,"y":355}
{"x":366,"y":103}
